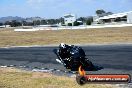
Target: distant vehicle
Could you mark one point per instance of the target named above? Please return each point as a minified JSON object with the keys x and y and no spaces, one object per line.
{"x":3,"y":26}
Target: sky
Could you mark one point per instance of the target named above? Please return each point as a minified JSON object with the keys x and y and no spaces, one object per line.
{"x":58,"y":8}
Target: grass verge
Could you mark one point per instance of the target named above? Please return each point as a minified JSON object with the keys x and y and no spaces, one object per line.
{"x":14,"y":78}
{"x":101,"y":36}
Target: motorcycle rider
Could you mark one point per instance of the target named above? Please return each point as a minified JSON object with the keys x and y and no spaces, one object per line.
{"x":64,"y":50}
{"x":70,"y":53}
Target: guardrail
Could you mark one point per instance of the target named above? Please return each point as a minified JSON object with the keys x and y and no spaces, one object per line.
{"x":74,"y":27}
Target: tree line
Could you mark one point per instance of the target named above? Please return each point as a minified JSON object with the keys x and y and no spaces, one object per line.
{"x":84,"y":20}
{"x":15,"y":23}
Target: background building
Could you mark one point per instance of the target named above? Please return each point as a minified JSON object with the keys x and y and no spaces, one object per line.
{"x":69,"y":19}
{"x":125,"y":17}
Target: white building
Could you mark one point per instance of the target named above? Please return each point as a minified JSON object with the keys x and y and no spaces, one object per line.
{"x":125,"y":17}
{"x":129,"y":17}
{"x":69,"y":18}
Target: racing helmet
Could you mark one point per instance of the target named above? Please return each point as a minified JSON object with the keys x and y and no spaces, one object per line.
{"x":62,"y":46}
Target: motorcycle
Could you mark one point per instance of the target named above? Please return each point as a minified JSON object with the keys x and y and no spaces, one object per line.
{"x":75,"y":58}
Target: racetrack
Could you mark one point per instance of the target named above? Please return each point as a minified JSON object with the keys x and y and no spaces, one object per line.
{"x":113,"y":58}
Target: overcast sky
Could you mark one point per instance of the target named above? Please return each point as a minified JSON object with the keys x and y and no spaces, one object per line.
{"x":57,"y":8}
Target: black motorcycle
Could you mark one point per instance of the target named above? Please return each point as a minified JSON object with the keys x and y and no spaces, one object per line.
{"x":74,"y":59}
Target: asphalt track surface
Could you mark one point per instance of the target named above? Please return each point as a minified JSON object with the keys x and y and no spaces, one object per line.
{"x":115,"y":59}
